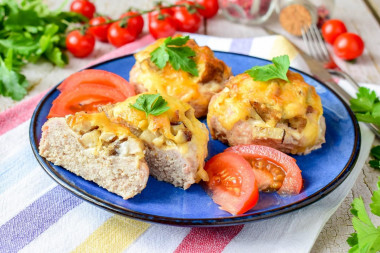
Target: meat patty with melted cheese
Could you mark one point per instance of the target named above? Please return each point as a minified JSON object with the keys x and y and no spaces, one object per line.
{"x":283,"y":115}
{"x":98,"y":150}
{"x":175,"y":141}
{"x":195,"y":90}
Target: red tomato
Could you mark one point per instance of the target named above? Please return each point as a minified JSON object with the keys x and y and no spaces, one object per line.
{"x":232,"y":183}
{"x":85,"y":98}
{"x":211,"y":8}
{"x":119,"y":36}
{"x":348,"y":46}
{"x":99,"y":30}
{"x":84,"y":7}
{"x":331,"y":29}
{"x":80,"y":45}
{"x":97,"y":76}
{"x":88,"y":89}
{"x":137,"y":22}
{"x":185,"y":21}
{"x":161,"y":28}
{"x":269,"y":178}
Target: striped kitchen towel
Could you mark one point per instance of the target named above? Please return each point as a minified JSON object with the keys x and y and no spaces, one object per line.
{"x":38,"y":215}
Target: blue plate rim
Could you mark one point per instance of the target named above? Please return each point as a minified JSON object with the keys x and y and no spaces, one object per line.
{"x":200,"y":222}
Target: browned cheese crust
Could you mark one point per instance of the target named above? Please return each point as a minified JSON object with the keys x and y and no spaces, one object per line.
{"x":195,"y":90}
{"x":278,"y":114}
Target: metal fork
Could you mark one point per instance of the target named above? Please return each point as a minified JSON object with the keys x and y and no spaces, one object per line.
{"x":316,"y":48}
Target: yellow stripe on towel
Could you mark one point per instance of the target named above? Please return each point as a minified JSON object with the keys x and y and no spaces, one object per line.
{"x":114,"y":235}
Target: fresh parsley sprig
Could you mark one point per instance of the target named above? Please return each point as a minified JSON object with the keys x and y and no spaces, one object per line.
{"x":375,"y":162}
{"x":367,"y":236}
{"x":278,"y":69}
{"x":30,"y":31}
{"x":172,"y":50}
{"x":153,"y":104}
{"x":366,"y":106}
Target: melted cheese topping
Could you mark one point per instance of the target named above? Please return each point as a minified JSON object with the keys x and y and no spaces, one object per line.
{"x":178,"y":83}
{"x":99,"y":134}
{"x":179,"y":112}
{"x":285,"y":100}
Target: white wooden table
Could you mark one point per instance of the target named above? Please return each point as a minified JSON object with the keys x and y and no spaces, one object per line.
{"x":354,"y":13}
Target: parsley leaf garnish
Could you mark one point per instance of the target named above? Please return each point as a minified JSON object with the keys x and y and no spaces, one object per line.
{"x":367,"y":236}
{"x":278,"y":69}
{"x":172,"y":50}
{"x":151,"y":104}
{"x":366,"y":106}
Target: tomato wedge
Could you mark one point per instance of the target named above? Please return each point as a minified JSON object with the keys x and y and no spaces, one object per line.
{"x":88,"y":89}
{"x":232,"y":183}
{"x":273,"y":169}
{"x":102,"y":77}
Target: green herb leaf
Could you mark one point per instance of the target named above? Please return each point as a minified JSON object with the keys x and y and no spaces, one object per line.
{"x":278,"y":69}
{"x":375,"y":205}
{"x":364,"y":100}
{"x":12,"y":84}
{"x":153,"y":104}
{"x":172,"y":50}
{"x":367,"y":236}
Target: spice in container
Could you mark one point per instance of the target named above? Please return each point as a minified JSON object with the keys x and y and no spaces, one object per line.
{"x":295,"y":15}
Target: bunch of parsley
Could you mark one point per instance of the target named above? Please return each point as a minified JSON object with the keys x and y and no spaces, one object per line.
{"x":30,"y":31}
{"x":367,"y":236}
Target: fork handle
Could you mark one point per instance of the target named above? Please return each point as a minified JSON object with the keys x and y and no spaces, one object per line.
{"x":346,"y":76}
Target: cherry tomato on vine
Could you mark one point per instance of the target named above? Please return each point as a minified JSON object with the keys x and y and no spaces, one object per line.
{"x":211,"y":8}
{"x":84,"y":7}
{"x":80,"y":45}
{"x":137,"y":21}
{"x":119,"y":34}
{"x":161,"y":25}
{"x":186,"y":21}
{"x":331,"y":29}
{"x":348,"y":46}
{"x":99,"y":30}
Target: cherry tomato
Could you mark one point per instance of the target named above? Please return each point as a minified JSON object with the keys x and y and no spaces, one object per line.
{"x":274,"y":170}
{"x":232,"y":183}
{"x":185,"y":21}
{"x":88,"y":89}
{"x":137,"y":22}
{"x":331,"y":29}
{"x":84,"y":7}
{"x":348,"y":46}
{"x":211,"y":8}
{"x":80,"y":45}
{"x":119,"y":36}
{"x":99,"y":30}
{"x":161,"y":28}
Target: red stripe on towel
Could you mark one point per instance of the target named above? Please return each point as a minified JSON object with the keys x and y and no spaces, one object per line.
{"x":18,"y":114}
{"x":210,"y":240}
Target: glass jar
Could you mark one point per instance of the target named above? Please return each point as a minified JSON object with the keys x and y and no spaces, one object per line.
{"x":251,"y":12}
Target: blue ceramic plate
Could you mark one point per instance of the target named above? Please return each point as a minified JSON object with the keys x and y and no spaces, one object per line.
{"x":322,"y":170}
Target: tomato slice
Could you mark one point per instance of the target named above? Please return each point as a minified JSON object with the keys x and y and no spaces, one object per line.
{"x":267,"y":164}
{"x":102,"y":77}
{"x":232,"y":183}
{"x":84,"y":98}
{"x":88,"y":89}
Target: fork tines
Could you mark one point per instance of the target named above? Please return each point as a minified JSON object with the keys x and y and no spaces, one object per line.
{"x":316,"y":47}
